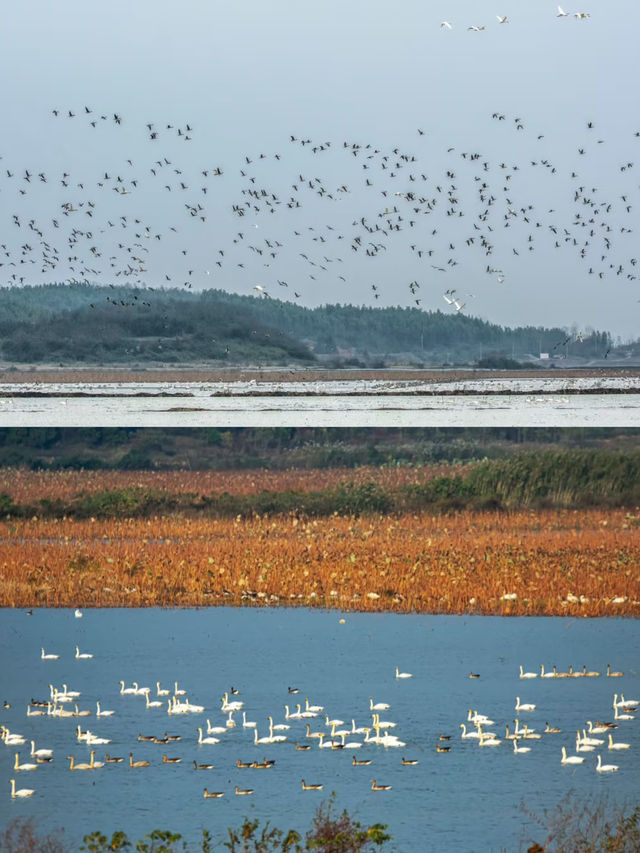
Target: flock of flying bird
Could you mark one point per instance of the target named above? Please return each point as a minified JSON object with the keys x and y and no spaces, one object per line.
{"x":154,"y":221}
{"x":503,"y":19}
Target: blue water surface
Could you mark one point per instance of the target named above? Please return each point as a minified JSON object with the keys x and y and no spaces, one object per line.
{"x":469,"y":799}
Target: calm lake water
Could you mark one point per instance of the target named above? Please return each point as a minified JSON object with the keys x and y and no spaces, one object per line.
{"x":466,"y":800}
{"x":544,"y":401}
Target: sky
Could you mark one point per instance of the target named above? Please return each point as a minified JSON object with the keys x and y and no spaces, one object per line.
{"x":490,"y":171}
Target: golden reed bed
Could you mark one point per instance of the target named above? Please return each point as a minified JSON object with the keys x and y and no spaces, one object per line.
{"x":521,"y":563}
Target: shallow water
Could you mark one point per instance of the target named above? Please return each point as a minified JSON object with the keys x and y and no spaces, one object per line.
{"x":180,"y":407}
{"x":466,"y":800}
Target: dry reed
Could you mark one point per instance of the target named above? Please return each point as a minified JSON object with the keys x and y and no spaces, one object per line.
{"x":545,"y":562}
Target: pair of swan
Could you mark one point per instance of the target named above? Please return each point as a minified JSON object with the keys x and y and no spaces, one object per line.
{"x":624,"y":703}
{"x":10,"y":738}
{"x":230,"y":706}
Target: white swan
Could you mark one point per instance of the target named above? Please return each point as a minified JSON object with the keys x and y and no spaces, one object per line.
{"x":525,"y":706}
{"x":278,"y":727}
{"x":82,"y":655}
{"x":11,"y":739}
{"x":274,"y":738}
{"x":209,"y":740}
{"x":527,"y":674}
{"x":489,"y":739}
{"x":230,"y":706}
{"x":544,"y":674}
{"x":129,"y":690}
{"x":605,"y":768}
{"x":249,"y":724}
{"x":155,"y":703}
{"x":315,"y":708}
{"x":101,"y":713}
{"x":382,"y":724}
{"x":95,"y":765}
{"x":27,"y":766}
{"x":590,"y":741}
{"x":466,"y":734}
{"x":257,"y":739}
{"x":476,"y":718}
{"x":292,"y":715}
{"x":216,"y":730}
{"x":379,"y":706}
{"x":95,"y":740}
{"x":518,"y":749}
{"x":618,"y":716}
{"x":21,"y":792}
{"x":74,"y":766}
{"x":570,"y":759}
{"x":45,"y":656}
{"x":403,"y":674}
{"x":160,"y":691}
{"x":618,"y":745}
{"x":598,"y":729}
{"x":627,"y":703}
{"x":78,"y":613}
{"x":40,"y":753}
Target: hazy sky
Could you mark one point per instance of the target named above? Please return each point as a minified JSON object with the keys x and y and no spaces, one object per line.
{"x":408,"y":218}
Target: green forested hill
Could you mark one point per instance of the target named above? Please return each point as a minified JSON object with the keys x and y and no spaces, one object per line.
{"x":83,"y":323}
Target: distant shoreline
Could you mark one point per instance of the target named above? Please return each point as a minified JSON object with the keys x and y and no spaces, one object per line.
{"x":186,"y":373}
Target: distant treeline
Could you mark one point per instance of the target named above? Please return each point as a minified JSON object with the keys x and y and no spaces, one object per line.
{"x":86,"y":324}
{"x":280,"y":448}
{"x":545,"y":479}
